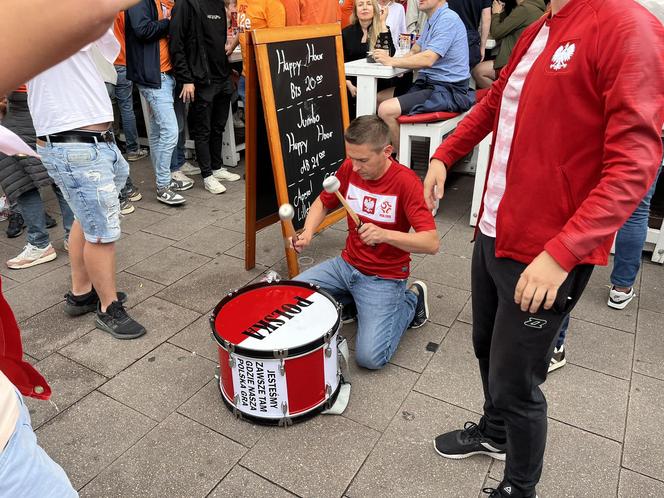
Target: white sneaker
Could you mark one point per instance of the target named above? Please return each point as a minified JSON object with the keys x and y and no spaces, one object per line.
{"x":189,"y":169}
{"x":224,"y":174}
{"x":213,"y":186}
{"x":618,"y":300}
{"x":31,"y":256}
{"x":180,"y":181}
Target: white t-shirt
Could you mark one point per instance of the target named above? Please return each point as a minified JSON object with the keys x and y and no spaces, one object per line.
{"x":396,"y":21}
{"x":509,"y":106}
{"x":72,"y":94}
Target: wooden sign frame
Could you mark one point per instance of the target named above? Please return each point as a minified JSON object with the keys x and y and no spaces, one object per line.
{"x":251,"y":223}
{"x":261,"y":38}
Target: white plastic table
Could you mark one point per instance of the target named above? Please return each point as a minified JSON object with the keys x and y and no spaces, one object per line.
{"x":367,"y":75}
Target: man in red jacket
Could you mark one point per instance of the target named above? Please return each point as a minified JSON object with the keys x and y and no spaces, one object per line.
{"x":576,"y":117}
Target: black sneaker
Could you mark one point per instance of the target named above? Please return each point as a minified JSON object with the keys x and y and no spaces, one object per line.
{"x":118,"y":323}
{"x":16,"y":225}
{"x":85,"y":303}
{"x":422,"y":308}
{"x":468,"y":442}
{"x":349,"y":312}
{"x":506,"y":490}
{"x":50,"y":221}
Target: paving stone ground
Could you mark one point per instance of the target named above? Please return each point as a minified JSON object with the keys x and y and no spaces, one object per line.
{"x":144,"y":417}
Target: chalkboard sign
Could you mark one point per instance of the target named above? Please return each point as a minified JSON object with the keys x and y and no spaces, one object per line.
{"x":308,"y":105}
{"x":303,"y":91}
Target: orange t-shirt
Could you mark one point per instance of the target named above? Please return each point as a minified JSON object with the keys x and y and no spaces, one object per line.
{"x":119,"y":30}
{"x":319,"y":11}
{"x":164,"y":8}
{"x":292,"y":8}
{"x":258,"y":14}
{"x":346,"y":11}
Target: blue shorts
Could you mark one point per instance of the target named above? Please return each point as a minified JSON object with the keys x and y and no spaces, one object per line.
{"x":25,"y":468}
{"x":90,"y":177}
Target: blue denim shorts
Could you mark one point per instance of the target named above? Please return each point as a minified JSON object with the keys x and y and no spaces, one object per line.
{"x":90,"y":177}
{"x":25,"y":468}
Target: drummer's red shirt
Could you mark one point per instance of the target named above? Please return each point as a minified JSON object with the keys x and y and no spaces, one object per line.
{"x":394,"y":202}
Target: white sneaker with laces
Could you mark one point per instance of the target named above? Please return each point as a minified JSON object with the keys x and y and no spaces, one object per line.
{"x":189,"y":169}
{"x":31,"y":256}
{"x":224,"y":174}
{"x":213,"y":186}
{"x":618,"y":300}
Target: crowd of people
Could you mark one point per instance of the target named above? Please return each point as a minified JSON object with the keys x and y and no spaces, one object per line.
{"x":575,"y":157}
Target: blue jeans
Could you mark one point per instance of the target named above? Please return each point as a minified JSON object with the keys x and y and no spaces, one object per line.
{"x":629,"y":246}
{"x":25,"y":468}
{"x":123,"y":94}
{"x":163,"y":127}
{"x":90,"y":177}
{"x":32,"y":209}
{"x":385,"y":308}
{"x":177,"y":159}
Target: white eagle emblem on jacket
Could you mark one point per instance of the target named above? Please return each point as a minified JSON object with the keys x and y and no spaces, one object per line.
{"x":562,"y":56}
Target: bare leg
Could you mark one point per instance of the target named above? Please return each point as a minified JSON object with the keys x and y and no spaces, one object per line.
{"x":384,"y":95}
{"x":484,"y":74}
{"x":389,"y":111}
{"x":80,"y":281}
{"x":100,"y":263}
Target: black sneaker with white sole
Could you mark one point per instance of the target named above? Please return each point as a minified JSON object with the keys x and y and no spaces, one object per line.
{"x":167,"y":196}
{"x":419,"y":288}
{"x":118,"y":323}
{"x":558,"y":359}
{"x":85,"y":303}
{"x":507,"y":490}
{"x":468,"y":442}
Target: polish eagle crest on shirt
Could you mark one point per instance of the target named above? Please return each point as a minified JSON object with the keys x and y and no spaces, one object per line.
{"x":562,"y":56}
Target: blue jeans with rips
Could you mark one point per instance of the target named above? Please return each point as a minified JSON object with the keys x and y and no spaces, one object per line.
{"x":90,"y":177}
{"x":163,"y":134}
{"x":385,"y":308}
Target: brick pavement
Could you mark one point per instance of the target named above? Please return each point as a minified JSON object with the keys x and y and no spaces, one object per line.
{"x":144,"y":417}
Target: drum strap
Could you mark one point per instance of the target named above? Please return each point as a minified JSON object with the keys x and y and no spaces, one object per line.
{"x":343,"y":397}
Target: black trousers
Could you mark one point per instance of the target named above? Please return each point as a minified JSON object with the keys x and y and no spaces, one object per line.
{"x":514,"y":349}
{"x":207,"y":118}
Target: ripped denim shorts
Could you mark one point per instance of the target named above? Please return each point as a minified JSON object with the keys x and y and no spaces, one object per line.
{"x":90,"y":177}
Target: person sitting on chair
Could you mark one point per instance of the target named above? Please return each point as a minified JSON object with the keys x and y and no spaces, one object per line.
{"x":374,"y":265}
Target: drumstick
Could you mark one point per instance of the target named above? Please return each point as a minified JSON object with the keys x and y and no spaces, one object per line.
{"x":286,"y":213}
{"x":331,"y":185}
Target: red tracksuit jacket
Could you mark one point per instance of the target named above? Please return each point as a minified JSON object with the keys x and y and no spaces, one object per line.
{"x":586,"y":143}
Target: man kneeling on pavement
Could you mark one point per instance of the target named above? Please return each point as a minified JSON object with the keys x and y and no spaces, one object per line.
{"x":374,"y":266}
